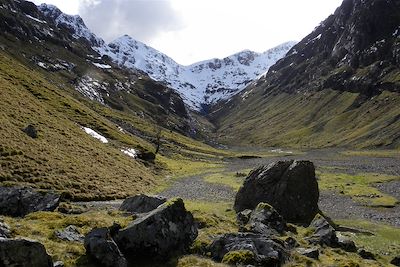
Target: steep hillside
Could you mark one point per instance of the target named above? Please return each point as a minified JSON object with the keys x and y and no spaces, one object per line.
{"x":338,"y":86}
{"x":201,"y":83}
{"x":51,"y":79}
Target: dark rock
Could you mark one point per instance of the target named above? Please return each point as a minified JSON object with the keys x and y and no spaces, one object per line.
{"x":312,"y":253}
{"x":103,"y":249}
{"x":146,"y":156}
{"x":142,"y":203}
{"x":291,"y":243}
{"x":19,"y":201}
{"x":346,"y":244}
{"x":70,"y":233}
{"x":396,"y":261}
{"x":5,"y":231}
{"x":324,"y":233}
{"x":366,"y":254}
{"x":243,"y":217}
{"x":266,"y":220}
{"x":23,"y":253}
{"x":166,"y":231}
{"x":267,"y":252}
{"x":289,"y":186}
{"x":31,"y":131}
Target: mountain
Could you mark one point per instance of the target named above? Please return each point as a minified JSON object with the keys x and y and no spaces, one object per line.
{"x":202,"y":83}
{"x":338,"y":86}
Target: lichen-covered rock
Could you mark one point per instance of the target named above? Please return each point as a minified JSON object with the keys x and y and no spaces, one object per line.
{"x":142,"y":203}
{"x":19,"y":201}
{"x":289,"y":186}
{"x":266,"y":220}
{"x":312,"y":253}
{"x":267,"y":251}
{"x":100,"y":246}
{"x":164,"y":232}
{"x":346,"y":244}
{"x":5,"y":231}
{"x":324,"y":233}
{"x":23,"y":253}
{"x":70,"y":233}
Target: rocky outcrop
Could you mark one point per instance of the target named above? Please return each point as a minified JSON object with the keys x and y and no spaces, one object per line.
{"x":23,"y":253}
{"x":31,"y":131}
{"x":266,"y":220}
{"x":166,"y":231}
{"x":266,"y":251}
{"x":102,"y":248}
{"x":142,"y":203}
{"x":324,"y":233}
{"x":289,"y":186}
{"x":19,"y":201}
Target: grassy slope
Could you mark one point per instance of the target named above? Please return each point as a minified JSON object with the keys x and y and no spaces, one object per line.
{"x":313,"y":119}
{"x":64,"y":157}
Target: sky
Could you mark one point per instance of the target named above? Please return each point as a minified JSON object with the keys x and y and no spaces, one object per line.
{"x":194,"y":30}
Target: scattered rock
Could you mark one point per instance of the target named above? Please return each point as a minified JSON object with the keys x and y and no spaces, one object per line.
{"x":23,"y":253}
{"x":396,"y":261}
{"x":267,"y":251}
{"x":324,"y":233}
{"x":289,"y":186}
{"x":103,"y":249}
{"x":312,"y":253}
{"x":291,"y":243}
{"x":166,"y":231}
{"x":31,"y":131}
{"x":146,"y":156}
{"x":346,"y":244}
{"x":366,"y":254}
{"x":70,"y":233}
{"x":5,"y":231}
{"x":266,"y":220}
{"x":142,"y":203}
{"x":19,"y":201}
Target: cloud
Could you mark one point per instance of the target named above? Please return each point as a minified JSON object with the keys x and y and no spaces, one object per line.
{"x":141,"y":19}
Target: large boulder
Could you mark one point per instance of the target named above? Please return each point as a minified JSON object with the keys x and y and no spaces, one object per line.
{"x":23,"y":253}
{"x":100,"y":246}
{"x":166,"y":231}
{"x":289,"y":186}
{"x":266,"y":251}
{"x":142,"y":203}
{"x":19,"y":201}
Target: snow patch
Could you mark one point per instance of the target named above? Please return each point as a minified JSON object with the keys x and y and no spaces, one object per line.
{"x":280,"y":151}
{"x":130,"y":152}
{"x":36,"y":19}
{"x":95,"y":135}
{"x":91,"y":88}
{"x":102,"y":66}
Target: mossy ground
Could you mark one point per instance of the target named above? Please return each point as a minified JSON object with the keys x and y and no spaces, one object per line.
{"x":359,"y":187}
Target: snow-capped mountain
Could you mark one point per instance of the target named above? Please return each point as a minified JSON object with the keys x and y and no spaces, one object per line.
{"x":199,"y":84}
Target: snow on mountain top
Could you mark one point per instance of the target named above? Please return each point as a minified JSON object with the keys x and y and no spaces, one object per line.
{"x":199,"y":84}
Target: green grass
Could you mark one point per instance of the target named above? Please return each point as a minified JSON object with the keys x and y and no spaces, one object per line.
{"x":373,"y":153}
{"x":385,"y":242}
{"x":41,"y":226}
{"x":317,"y":119}
{"x":359,"y":187}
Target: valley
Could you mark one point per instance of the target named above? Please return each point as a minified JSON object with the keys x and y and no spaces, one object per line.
{"x":315,"y":125}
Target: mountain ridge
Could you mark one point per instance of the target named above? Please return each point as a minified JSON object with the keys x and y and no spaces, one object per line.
{"x":199,"y":84}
